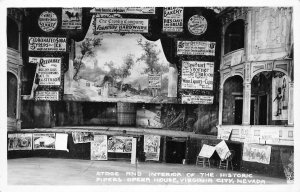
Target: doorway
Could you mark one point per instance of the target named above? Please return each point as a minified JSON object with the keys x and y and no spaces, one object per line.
{"x":238,"y":111}
{"x":263,"y":110}
{"x":175,"y":151}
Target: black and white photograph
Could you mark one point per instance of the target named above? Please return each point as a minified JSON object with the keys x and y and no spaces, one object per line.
{"x":168,"y":96}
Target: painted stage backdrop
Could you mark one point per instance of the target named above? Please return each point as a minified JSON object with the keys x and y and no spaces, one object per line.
{"x":119,"y":144}
{"x":110,"y":67}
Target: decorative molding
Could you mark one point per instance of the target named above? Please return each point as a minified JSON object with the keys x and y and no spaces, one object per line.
{"x":233,"y":15}
{"x":16,"y":13}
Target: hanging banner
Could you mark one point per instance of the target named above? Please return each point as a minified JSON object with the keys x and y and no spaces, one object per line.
{"x":197,"y":75}
{"x":47,"y":44}
{"x":82,"y":137}
{"x":49,"y":70}
{"x":119,"y":144}
{"x":61,"y":142}
{"x":224,"y":133}
{"x":280,"y":96}
{"x":197,"y":25}
{"x":196,"y":48}
{"x":121,"y":25}
{"x":223,"y":150}
{"x":43,"y":140}
{"x":257,"y":153}
{"x":19,"y":141}
{"x":46,"y":96}
{"x":207,"y":151}
{"x":152,"y":147}
{"x":173,"y":19}
{"x":71,"y":18}
{"x":124,"y":10}
{"x":154,"y":81}
{"x":197,"y":99}
{"x":99,"y":148}
{"x":48,"y":21}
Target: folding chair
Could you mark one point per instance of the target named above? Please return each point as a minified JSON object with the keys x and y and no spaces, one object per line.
{"x":203,"y":160}
{"x":225,"y":163}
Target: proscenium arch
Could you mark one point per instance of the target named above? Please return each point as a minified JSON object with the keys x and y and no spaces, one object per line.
{"x":260,"y":71}
{"x":229,"y":76}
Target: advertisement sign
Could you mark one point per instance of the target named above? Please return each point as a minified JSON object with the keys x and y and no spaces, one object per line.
{"x":280,"y":97}
{"x":207,"y":151}
{"x":99,"y":148}
{"x":152,"y":147}
{"x":119,"y":144}
{"x":46,"y":95}
{"x":197,"y":99}
{"x":82,"y":137}
{"x":257,"y":153}
{"x":19,"y":141}
{"x":197,"y":25}
{"x":125,"y":10}
{"x":223,"y":150}
{"x":48,"y":70}
{"x":71,"y":18}
{"x":43,"y":140}
{"x":118,"y":25}
{"x":196,"y":48}
{"x":173,"y":19}
{"x":224,"y":133}
{"x":197,"y":75}
{"x":154,"y":81}
{"x":47,"y":44}
{"x":48,"y":21}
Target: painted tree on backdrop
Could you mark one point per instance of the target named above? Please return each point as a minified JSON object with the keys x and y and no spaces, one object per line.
{"x":122,"y":72}
{"x":151,"y":57}
{"x":87,"y":49}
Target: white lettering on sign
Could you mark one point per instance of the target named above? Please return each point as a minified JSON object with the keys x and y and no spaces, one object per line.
{"x":173,"y":19}
{"x":47,"y":44}
{"x":47,"y":96}
{"x":197,"y":75}
{"x":49,"y":70}
{"x":48,"y":21}
{"x":121,"y":25}
{"x":196,"y":48}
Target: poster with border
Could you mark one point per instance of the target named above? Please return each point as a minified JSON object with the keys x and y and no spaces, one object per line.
{"x":257,"y":153}
{"x":121,"y":25}
{"x":197,"y":75}
{"x":46,"y":96}
{"x":280,"y":96}
{"x":48,"y":21}
{"x":197,"y":99}
{"x":43,"y":141}
{"x":173,"y":19}
{"x":196,"y":48}
{"x":124,"y":10}
{"x":119,"y":144}
{"x":82,"y":137}
{"x":152,"y":147}
{"x":71,"y":18}
{"x":207,"y":151}
{"x":48,"y":70}
{"x":99,"y":147}
{"x":222,"y":150}
{"x":53,"y":44}
{"x":20,"y":141}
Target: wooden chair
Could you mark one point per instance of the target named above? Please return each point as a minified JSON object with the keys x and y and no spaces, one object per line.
{"x":204,"y":161}
{"x":228,"y":161}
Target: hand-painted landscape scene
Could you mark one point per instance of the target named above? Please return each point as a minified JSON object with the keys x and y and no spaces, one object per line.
{"x":110,"y":67}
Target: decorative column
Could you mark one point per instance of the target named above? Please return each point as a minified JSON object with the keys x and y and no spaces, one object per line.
{"x":221,"y":94}
{"x":247,"y":95}
{"x":291,"y":104}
